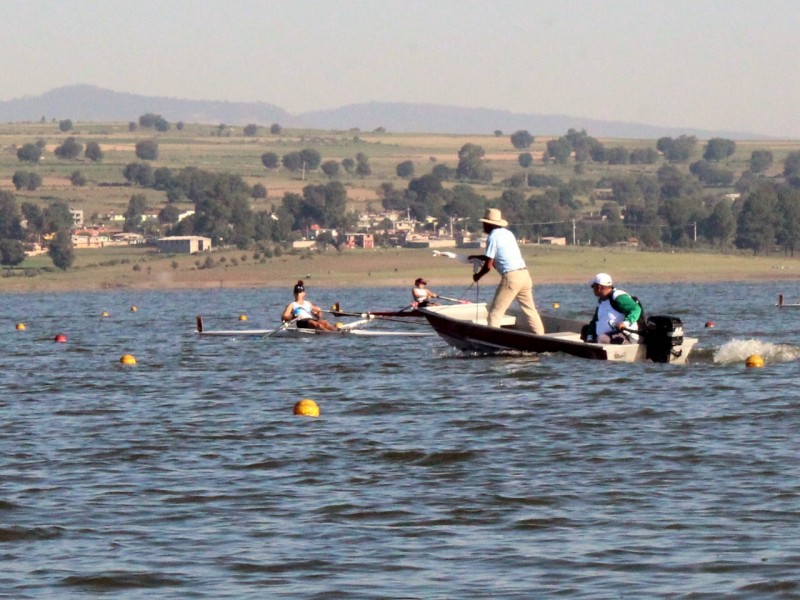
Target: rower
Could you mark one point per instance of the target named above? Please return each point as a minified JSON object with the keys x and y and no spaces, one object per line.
{"x":421,"y":293}
{"x":303,"y":312}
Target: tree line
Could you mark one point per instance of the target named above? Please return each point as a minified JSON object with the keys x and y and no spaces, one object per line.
{"x":673,"y":206}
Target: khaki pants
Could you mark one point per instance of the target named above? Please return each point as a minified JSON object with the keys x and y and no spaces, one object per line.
{"x":516,"y":285}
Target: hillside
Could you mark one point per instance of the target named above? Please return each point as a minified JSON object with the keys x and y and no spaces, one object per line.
{"x":91,"y":103}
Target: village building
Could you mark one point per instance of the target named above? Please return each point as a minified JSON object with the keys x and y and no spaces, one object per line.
{"x":183,"y":244}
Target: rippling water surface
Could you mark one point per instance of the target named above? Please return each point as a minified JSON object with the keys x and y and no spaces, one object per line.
{"x":428,"y":475}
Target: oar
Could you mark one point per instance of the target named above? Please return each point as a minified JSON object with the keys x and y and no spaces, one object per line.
{"x":341,"y":313}
{"x":453,"y":299}
{"x":282,"y":327}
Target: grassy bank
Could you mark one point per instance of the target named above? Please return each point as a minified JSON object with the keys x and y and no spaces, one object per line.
{"x":124,"y":268}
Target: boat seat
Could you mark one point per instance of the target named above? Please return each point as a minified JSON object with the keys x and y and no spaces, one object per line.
{"x":565,"y":335}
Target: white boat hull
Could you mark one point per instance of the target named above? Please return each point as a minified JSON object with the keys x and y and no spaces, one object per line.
{"x":464,"y":327}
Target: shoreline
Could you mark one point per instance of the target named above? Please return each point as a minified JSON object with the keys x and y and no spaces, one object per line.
{"x":399,"y":267}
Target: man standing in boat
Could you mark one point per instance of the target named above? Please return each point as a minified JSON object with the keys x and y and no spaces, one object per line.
{"x":503,"y":253}
{"x":616,"y":312}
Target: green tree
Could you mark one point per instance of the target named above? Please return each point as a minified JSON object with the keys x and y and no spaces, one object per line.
{"x":61,"y":251}
{"x":270,"y":160}
{"x":57,"y":217}
{"x":134,"y":214}
{"x":471,"y":165}
{"x":147,"y":150}
{"x":250,"y":130}
{"x":617,"y":155}
{"x":259,"y":191}
{"x":442,"y":172}
{"x":12,"y":252}
{"x":148,"y":120}
{"x":363,"y":168}
{"x":718,"y":149}
{"x":559,"y":150}
{"x":93,"y":152}
{"x":677,"y":149}
{"x":26,"y":180}
{"x":10,"y":218}
{"x":169,"y":214}
{"x":292,"y":161}
{"x":788,"y":221}
{"x":721,"y":224}
{"x":33,"y":216}
{"x":349,"y":165}
{"x":162,"y":124}
{"x":69,"y":150}
{"x":65,"y":125}
{"x":330,"y":168}
{"x":77,"y":179}
{"x":405,"y":169}
{"x":139,"y":173}
{"x":755,"y":227}
{"x":521,"y":139}
{"x":673,"y":182}
{"x":760,"y":161}
{"x":791,"y":168}
{"x":711,"y":173}
{"x":311,"y":159}
{"x":29,"y":153}
{"x":275,"y":129}
{"x":525,"y":160}
{"x":643,"y":156}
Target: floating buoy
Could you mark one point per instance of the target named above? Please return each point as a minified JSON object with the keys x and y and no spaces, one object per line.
{"x":60,"y":338}
{"x":243,"y":317}
{"x":134,"y":309}
{"x":754,"y":360}
{"x":306,"y":408}
{"x":339,"y":325}
{"x":128,"y":359}
{"x":105,"y":314}
{"x":21,"y":327}
{"x":556,"y":305}
{"x":710,"y":324}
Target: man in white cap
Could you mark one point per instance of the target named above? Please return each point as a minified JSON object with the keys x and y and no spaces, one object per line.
{"x":616,"y":312}
{"x":502,"y":253}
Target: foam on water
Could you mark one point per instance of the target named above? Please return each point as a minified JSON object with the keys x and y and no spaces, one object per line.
{"x":737,"y":351}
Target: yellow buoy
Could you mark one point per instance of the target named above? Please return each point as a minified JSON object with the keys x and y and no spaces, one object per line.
{"x":306,"y":408}
{"x":243,"y":317}
{"x":21,"y":326}
{"x":754,"y":360}
{"x":128,"y":359}
{"x":134,"y":309}
{"x":556,"y":305}
{"x":105,"y":314}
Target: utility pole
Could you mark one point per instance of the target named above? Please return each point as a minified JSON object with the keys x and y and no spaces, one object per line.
{"x":573,"y":233}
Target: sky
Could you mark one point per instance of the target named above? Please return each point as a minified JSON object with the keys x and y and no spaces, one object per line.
{"x":726,"y":65}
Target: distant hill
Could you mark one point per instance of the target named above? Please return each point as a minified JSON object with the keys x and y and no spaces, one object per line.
{"x":90,"y":103}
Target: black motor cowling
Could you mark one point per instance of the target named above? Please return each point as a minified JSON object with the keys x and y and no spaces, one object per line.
{"x":663,"y":338}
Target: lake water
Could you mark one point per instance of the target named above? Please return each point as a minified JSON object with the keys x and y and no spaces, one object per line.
{"x":428,"y":475}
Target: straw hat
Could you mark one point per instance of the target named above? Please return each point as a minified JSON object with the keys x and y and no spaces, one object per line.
{"x":493,"y":216}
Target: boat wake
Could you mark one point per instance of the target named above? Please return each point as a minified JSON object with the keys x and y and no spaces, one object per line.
{"x":737,"y":351}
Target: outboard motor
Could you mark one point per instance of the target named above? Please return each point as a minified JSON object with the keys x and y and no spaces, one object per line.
{"x":663,"y":338}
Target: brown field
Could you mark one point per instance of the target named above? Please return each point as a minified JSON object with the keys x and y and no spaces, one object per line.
{"x":143,"y":269}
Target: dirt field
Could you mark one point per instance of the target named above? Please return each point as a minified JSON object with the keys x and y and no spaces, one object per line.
{"x":395,"y":267}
